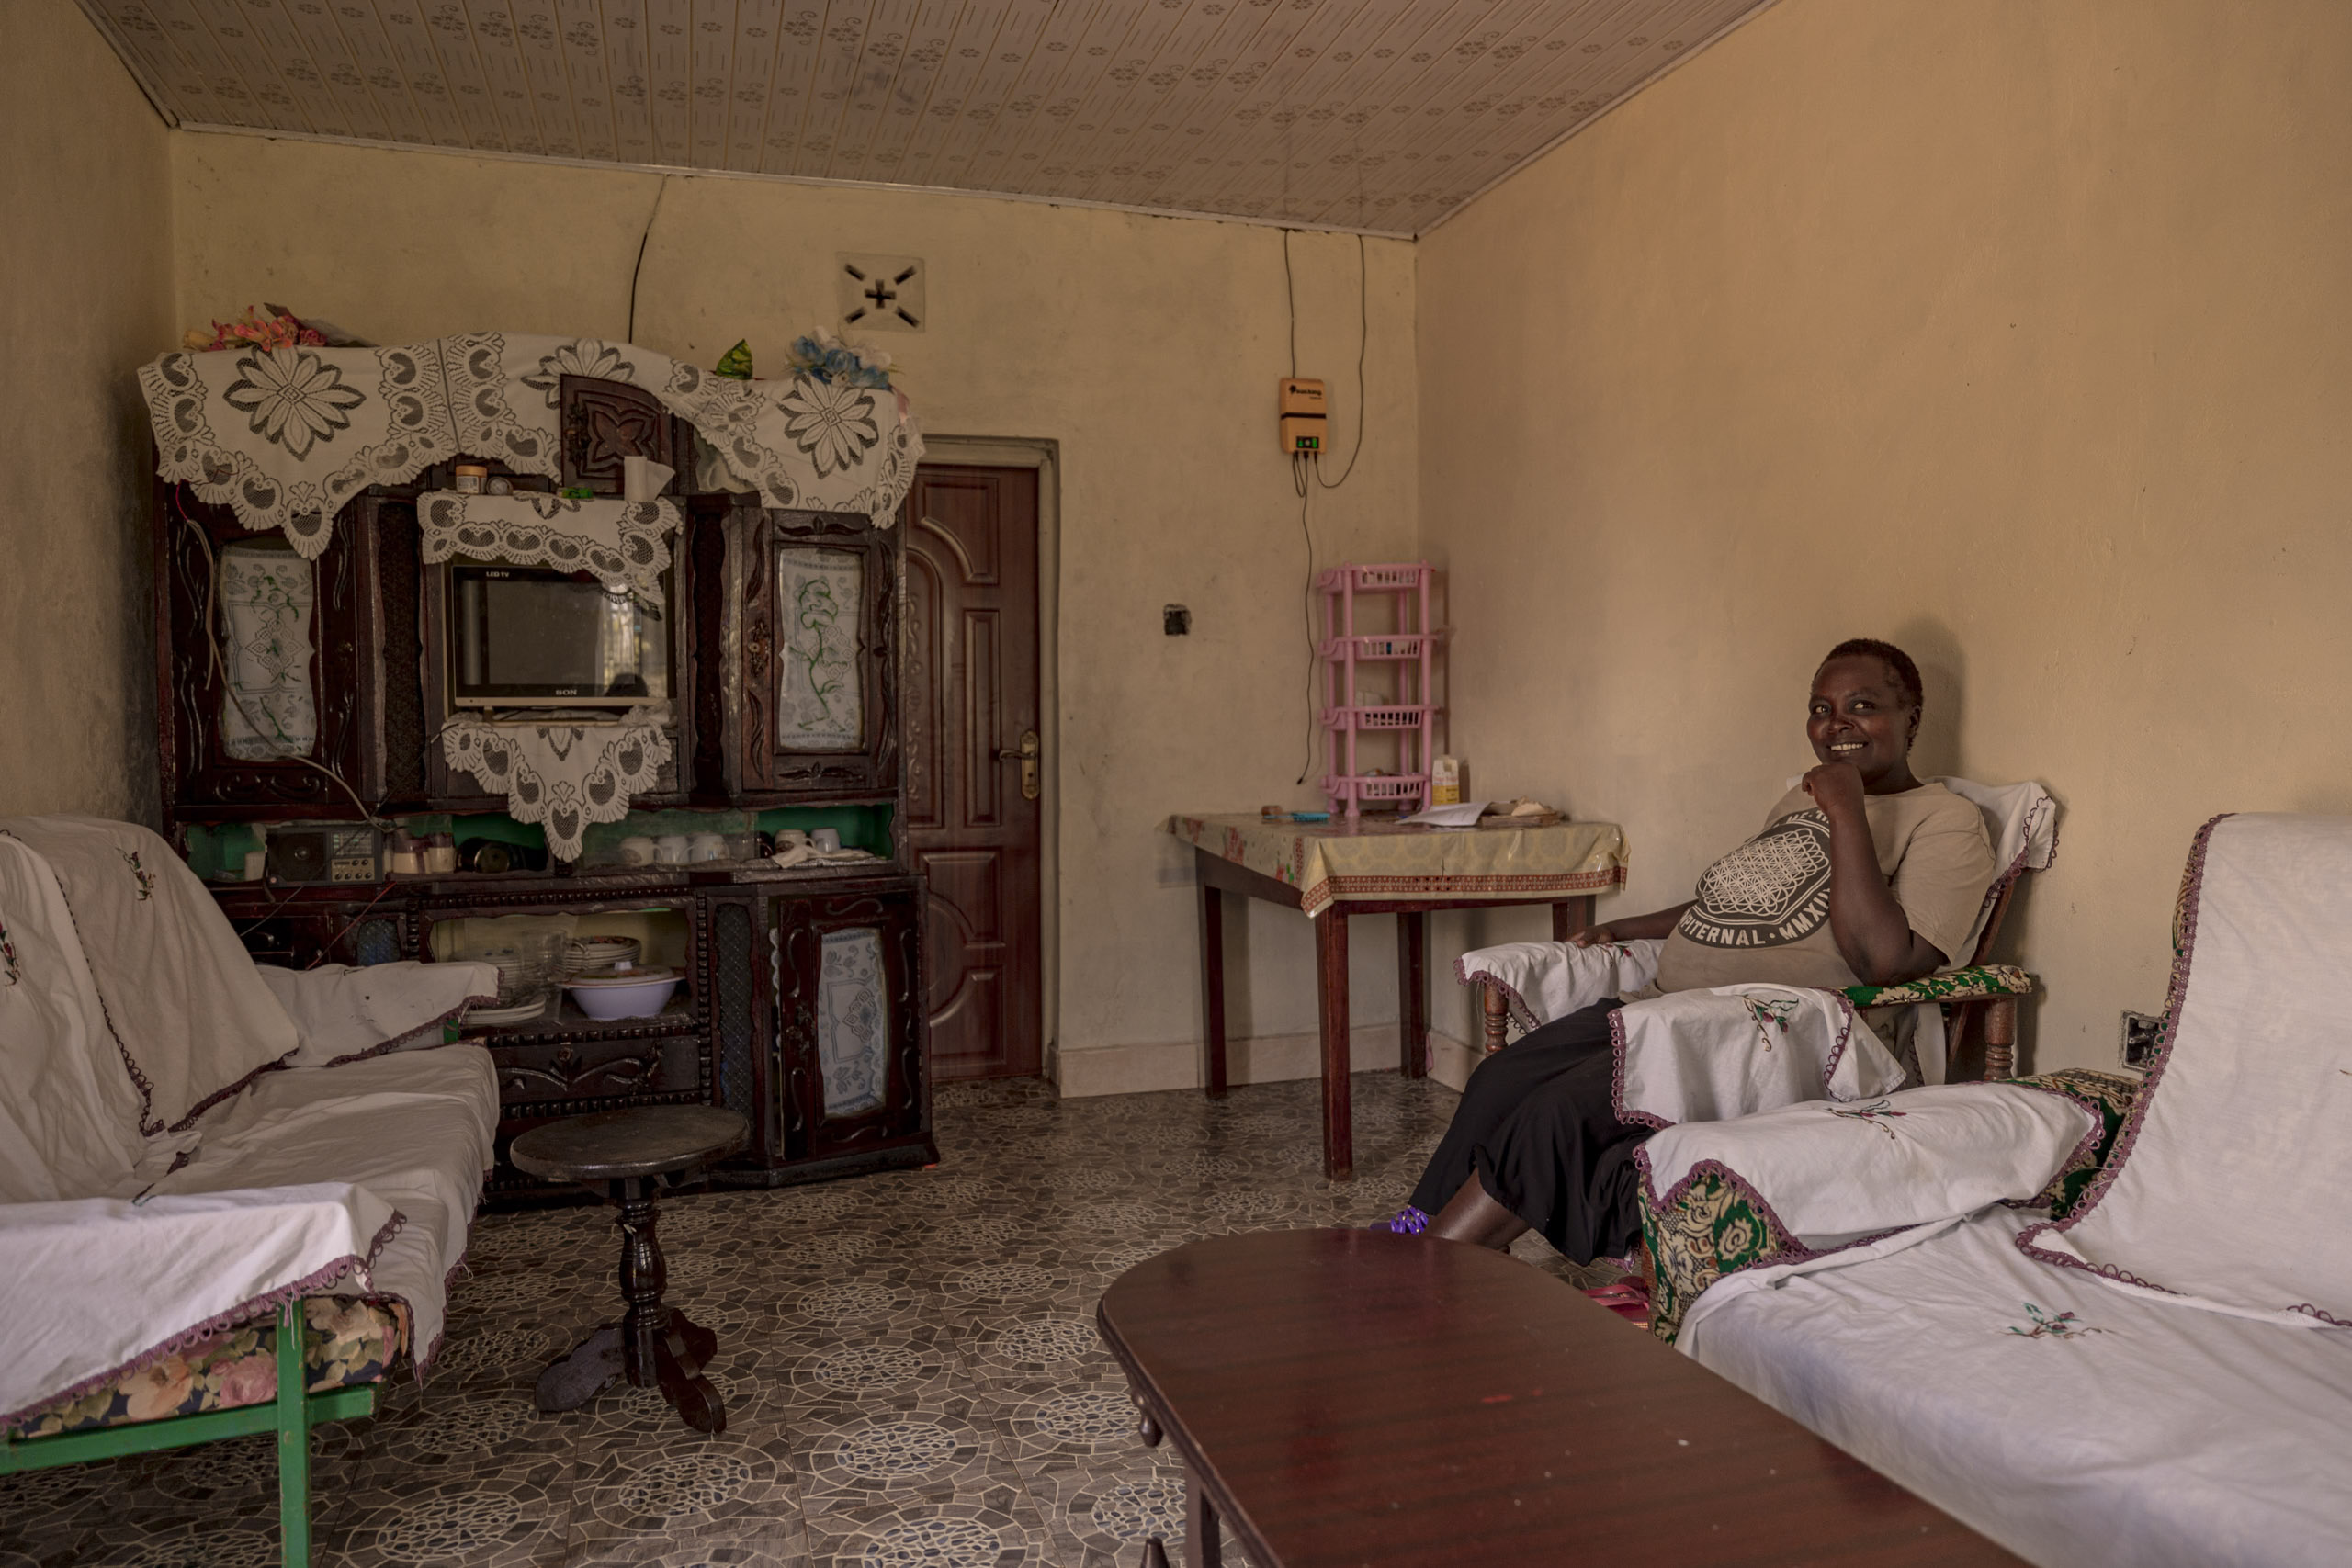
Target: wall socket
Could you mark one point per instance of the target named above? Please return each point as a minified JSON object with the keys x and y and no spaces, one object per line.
{"x":2141,"y":1033}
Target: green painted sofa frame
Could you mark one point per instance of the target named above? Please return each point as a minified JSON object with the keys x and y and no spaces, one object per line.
{"x":291,"y":1416}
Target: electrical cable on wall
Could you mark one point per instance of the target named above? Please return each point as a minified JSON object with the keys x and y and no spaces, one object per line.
{"x":1290,"y":300}
{"x":636,"y":272}
{"x":1307,"y":467}
{"x":1298,"y":472}
{"x":1363,"y":337}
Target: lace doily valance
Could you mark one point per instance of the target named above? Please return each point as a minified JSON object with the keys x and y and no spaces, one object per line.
{"x":562,"y":776}
{"x":625,"y":543}
{"x":286,"y":435}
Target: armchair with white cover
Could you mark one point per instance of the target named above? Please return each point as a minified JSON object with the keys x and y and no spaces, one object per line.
{"x":1532,"y":983}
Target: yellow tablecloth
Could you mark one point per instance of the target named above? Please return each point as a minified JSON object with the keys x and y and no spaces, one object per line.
{"x":1377,"y":857}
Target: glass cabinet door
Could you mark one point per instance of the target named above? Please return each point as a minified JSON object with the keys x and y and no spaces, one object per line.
{"x":849,"y":1021}
{"x":853,"y":1021}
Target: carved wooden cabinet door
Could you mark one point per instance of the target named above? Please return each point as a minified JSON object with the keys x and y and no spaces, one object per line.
{"x":272,"y":668}
{"x":604,"y":421}
{"x":850,"y":1011}
{"x":809,"y":640}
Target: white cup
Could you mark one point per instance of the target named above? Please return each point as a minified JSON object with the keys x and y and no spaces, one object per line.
{"x":670,"y":849}
{"x":825,"y":839}
{"x":637,"y":849}
{"x":706,"y":846}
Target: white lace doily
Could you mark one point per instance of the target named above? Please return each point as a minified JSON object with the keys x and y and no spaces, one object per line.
{"x":285,"y":436}
{"x":625,"y":543}
{"x":562,"y":776}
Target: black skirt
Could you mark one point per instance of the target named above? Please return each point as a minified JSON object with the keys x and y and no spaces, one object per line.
{"x":1538,"y":1125}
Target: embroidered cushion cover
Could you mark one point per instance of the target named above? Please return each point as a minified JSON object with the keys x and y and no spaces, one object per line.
{"x":2243,"y":1133}
{"x":1736,"y":1050}
{"x":1721,"y":1197}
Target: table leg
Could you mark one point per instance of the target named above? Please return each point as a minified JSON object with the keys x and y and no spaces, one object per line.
{"x":1331,"y":1007}
{"x":1571,"y":915}
{"x":658,"y":1347}
{"x":1204,"y":1540}
{"x":643,"y":1276}
{"x":1412,"y":994}
{"x":1212,"y":984}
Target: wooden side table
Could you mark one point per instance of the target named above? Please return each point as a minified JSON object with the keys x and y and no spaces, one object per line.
{"x":1219,"y":876}
{"x":625,"y":1155}
{"x":1354,"y":1399}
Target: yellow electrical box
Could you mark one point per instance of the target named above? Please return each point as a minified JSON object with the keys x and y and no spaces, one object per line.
{"x":1299,"y":404}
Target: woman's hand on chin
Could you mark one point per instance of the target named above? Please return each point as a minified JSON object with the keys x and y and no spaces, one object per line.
{"x":1835,"y":787}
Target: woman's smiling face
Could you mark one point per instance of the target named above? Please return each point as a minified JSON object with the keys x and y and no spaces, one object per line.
{"x":1860,"y":714}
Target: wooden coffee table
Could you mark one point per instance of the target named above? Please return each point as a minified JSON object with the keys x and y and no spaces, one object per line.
{"x":625,"y":1154}
{"x":1361,"y":1400}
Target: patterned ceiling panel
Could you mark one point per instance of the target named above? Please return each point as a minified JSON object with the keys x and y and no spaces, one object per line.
{"x":1382,"y":115}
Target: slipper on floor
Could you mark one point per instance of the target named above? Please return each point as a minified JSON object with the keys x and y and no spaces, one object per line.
{"x":1626,"y":1298}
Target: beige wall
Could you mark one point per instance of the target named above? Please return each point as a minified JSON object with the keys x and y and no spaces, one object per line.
{"x":2017,"y":332}
{"x":85,"y":297}
{"x":1147,"y":348}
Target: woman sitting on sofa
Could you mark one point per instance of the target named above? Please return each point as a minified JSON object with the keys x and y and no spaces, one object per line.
{"x":1862,"y":875}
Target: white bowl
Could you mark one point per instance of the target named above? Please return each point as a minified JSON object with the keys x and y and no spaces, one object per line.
{"x":625,"y":995}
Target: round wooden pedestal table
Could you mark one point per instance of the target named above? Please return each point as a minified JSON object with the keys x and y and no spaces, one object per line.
{"x":625,"y":1154}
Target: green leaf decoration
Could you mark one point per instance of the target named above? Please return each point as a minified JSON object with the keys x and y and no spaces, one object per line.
{"x":737,"y":361}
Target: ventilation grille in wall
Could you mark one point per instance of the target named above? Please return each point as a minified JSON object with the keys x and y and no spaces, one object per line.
{"x":883,"y":293}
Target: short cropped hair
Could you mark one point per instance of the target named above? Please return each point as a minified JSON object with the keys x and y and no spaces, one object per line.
{"x":1906,"y":673}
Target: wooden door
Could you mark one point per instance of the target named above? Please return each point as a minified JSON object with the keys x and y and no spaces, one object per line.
{"x":975,"y":832}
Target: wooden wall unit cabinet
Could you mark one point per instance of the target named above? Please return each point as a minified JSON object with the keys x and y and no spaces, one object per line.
{"x":804,"y":1002}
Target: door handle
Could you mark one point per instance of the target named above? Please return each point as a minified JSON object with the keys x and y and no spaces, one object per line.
{"x":1027,"y":755}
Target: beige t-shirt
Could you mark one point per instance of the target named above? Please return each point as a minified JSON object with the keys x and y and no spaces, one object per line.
{"x":1763,"y":909}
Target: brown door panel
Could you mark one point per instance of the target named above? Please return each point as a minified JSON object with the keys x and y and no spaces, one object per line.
{"x":972,"y":662}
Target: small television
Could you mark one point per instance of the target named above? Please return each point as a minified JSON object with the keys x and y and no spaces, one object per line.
{"x":523,"y":637}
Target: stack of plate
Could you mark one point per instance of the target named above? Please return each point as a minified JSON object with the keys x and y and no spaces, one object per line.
{"x":522,"y":988}
{"x":521,"y":1012}
{"x":599,"y":956}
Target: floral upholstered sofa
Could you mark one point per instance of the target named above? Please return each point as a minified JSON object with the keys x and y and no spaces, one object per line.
{"x":230,"y":1196}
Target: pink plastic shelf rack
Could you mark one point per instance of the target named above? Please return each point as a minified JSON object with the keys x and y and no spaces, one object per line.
{"x":1410,"y":645}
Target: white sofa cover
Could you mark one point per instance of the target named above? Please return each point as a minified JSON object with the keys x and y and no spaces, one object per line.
{"x":2163,"y":1376}
{"x":164,"y":1171}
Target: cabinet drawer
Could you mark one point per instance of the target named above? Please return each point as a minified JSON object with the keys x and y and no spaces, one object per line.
{"x":597,"y":1069}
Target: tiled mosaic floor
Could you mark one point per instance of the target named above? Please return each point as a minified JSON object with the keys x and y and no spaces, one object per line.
{"x":909,"y":1362}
